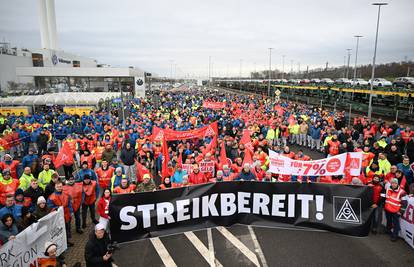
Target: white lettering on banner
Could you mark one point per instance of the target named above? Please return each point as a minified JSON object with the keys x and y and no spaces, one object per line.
{"x":188,"y":168}
{"x":207,"y":166}
{"x":328,"y":166}
{"x":28,"y":245}
{"x":407,"y":223}
{"x":276,"y":205}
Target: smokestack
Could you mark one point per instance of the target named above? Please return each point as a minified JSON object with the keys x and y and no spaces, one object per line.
{"x":44,"y":30}
{"x":51,"y":21}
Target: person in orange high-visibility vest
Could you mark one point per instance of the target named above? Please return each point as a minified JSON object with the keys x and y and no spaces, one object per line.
{"x":74,"y":190}
{"x":125,"y":187}
{"x":392,"y":207}
{"x":8,"y":186}
{"x":90,"y":194}
{"x":59,"y":199}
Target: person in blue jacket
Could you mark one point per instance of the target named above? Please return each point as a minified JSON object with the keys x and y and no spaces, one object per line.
{"x":28,"y":160}
{"x":86,"y":171}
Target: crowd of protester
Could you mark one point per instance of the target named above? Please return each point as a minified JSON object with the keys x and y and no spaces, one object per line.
{"x":114,"y":156}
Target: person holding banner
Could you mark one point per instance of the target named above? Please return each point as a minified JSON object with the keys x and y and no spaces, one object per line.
{"x":125,"y":187}
{"x":197,"y":177}
{"x":377,"y":203}
{"x":177,"y":177}
{"x":8,"y":228}
{"x":246,"y":174}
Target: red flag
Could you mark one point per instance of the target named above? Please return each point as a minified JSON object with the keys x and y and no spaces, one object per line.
{"x":210,"y":147}
{"x":65,"y":156}
{"x":223,"y":156}
{"x":247,"y":141}
{"x":247,"y":158}
{"x":165,"y":159}
{"x":141,"y":170}
{"x":180,"y":158}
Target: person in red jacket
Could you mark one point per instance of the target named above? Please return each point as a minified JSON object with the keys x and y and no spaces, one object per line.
{"x":197,"y":177}
{"x":392,"y":207}
{"x":103,"y":207}
{"x":104,"y":173}
{"x":125,"y":187}
{"x":377,"y":189}
{"x":74,"y":190}
{"x":333,"y":146}
{"x":90,"y":194}
{"x":10,"y":164}
{"x":258,"y":171}
{"x":8,"y":186}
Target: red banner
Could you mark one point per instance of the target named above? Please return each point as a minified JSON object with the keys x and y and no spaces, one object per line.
{"x":158,"y":134}
{"x":214,"y":105}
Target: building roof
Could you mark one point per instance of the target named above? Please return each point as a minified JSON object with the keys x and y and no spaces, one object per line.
{"x":77,"y":72}
{"x":68,"y":99}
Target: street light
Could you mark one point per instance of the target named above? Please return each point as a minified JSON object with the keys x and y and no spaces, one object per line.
{"x":356,"y":55}
{"x":270,"y":70}
{"x":349,"y":58}
{"x":373,"y":60}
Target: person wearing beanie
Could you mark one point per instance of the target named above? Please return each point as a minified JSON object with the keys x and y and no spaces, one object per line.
{"x":41,"y":209}
{"x":19,"y":197}
{"x":392,"y":208}
{"x":10,"y":164}
{"x":51,"y":258}
{"x":90,"y":193}
{"x":116,"y":179}
{"x":96,"y":249}
{"x":85,"y":170}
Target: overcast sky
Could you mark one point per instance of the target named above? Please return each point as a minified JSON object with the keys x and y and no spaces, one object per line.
{"x":150,"y":34}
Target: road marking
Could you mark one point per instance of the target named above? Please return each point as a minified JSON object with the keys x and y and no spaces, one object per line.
{"x":204,"y":251}
{"x":163,"y":252}
{"x":238,"y":244}
{"x":211,"y":246}
{"x":257,"y":246}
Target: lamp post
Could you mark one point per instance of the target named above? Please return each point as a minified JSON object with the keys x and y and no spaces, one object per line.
{"x":356,"y":55}
{"x":349,"y":58}
{"x":270,"y":70}
{"x":373,"y":60}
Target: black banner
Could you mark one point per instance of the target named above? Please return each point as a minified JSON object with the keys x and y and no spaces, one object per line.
{"x":344,"y":209}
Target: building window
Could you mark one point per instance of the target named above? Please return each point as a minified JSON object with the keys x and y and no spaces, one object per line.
{"x":37,"y":60}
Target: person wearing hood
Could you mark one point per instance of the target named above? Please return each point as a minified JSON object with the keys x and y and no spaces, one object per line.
{"x":41,"y":209}
{"x":26,"y":219}
{"x":8,"y":228}
{"x":393,"y":198}
{"x":8,"y":186}
{"x":45,"y":176}
{"x":372,"y":170}
{"x":177,"y":178}
{"x":246,"y":174}
{"x":26,"y":178}
{"x":128,"y":158}
{"x":51,"y":258}
{"x":147,"y":184}
{"x":10,"y":164}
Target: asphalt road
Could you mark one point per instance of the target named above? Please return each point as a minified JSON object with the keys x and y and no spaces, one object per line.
{"x":278,"y":247}
{"x":236,"y":246}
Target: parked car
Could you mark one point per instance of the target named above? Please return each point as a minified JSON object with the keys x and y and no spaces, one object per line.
{"x":293,"y":81}
{"x":342,"y":81}
{"x":315,"y":80}
{"x":304,"y":81}
{"x":327,"y":81}
{"x":359,"y":82}
{"x":283,"y":81}
{"x":380,"y":82}
{"x":407,"y":82}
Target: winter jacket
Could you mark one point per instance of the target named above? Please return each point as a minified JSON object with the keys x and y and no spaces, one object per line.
{"x":6,"y":232}
{"x":245,"y":176}
{"x":128,"y":156}
{"x":95,"y":249}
